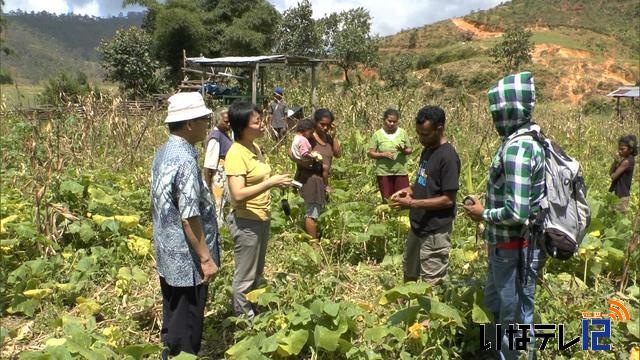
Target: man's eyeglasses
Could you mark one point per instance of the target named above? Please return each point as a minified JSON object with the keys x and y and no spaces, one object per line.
{"x":205,"y":118}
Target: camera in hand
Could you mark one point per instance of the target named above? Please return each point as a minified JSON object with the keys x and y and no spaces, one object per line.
{"x":284,"y":204}
{"x":296,"y":184}
{"x":286,"y":208}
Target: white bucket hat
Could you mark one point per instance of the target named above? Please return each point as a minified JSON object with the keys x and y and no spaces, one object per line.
{"x":186,"y":106}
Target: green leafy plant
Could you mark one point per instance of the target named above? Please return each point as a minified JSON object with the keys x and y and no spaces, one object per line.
{"x":513,"y":51}
{"x":65,"y":87}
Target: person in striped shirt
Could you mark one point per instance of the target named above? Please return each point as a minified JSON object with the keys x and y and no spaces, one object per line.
{"x":514,"y":191}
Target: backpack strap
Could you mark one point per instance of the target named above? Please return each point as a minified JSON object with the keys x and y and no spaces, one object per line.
{"x":535,"y":135}
{"x":539,"y":138}
{"x":530,"y":230}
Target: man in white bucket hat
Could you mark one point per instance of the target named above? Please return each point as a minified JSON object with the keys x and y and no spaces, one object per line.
{"x":185,"y":232}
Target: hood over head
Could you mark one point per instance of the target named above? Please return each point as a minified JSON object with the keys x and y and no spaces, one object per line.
{"x":511,"y":102}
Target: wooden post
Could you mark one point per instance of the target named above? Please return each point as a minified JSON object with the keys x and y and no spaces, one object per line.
{"x":618,"y":108}
{"x":314,"y":95}
{"x":254,"y":83}
{"x":263,"y":77}
{"x":184,"y":63}
{"x":202,"y":84}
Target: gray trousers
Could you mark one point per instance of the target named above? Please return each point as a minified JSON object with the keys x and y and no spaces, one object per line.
{"x":250,"y":249}
{"x":426,"y":257}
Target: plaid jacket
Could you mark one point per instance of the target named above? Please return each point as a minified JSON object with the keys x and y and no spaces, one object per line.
{"x":516,"y":175}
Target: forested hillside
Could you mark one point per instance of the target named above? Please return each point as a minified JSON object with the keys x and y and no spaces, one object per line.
{"x":43,"y":43}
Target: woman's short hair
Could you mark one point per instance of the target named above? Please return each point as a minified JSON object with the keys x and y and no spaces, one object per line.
{"x":321,"y":114}
{"x":239,"y":116}
{"x":389,"y":112}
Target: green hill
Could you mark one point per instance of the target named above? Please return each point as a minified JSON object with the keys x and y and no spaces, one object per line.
{"x":616,"y":19}
{"x":582,"y":48}
{"x":43,"y":43}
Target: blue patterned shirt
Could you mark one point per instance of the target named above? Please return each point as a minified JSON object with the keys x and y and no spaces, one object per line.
{"x":178,"y":192}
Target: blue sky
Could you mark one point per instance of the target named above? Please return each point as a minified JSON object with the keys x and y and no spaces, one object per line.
{"x":389,"y":16}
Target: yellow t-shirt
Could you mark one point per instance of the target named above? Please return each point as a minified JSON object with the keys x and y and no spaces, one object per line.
{"x":240,"y":161}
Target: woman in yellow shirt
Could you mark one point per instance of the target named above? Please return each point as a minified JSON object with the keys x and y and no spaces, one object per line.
{"x":249,"y":178}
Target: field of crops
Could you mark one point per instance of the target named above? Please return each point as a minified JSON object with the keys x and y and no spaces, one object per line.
{"x":78,"y":277}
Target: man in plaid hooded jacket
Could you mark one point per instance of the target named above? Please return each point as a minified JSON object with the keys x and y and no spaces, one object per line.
{"x":514,"y":191}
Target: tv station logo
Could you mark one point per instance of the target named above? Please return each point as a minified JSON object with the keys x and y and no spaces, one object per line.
{"x":596,"y":327}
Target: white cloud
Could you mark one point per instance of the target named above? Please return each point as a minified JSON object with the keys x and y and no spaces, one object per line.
{"x":51,"y":6}
{"x":391,"y":16}
{"x":91,"y":8}
{"x":388,"y":16}
{"x":81,"y":7}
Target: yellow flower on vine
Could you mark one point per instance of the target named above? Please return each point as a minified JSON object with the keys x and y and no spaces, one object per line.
{"x":415,"y":330}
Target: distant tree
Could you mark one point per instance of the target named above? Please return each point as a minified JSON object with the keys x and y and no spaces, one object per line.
{"x":211,"y":27}
{"x":5,"y":77}
{"x":253,"y":32}
{"x":513,"y":51}
{"x":64,"y":87}
{"x":397,"y":72}
{"x":413,"y":39}
{"x":149,"y":19}
{"x":3,"y":28}
{"x":178,"y":27}
{"x":174,"y":25}
{"x":467,"y":35}
{"x":3,"y":23}
{"x":348,"y":40}
{"x":128,"y":59}
{"x":298,"y":33}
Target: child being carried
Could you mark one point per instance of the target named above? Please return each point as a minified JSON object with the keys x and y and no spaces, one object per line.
{"x":301,"y":147}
